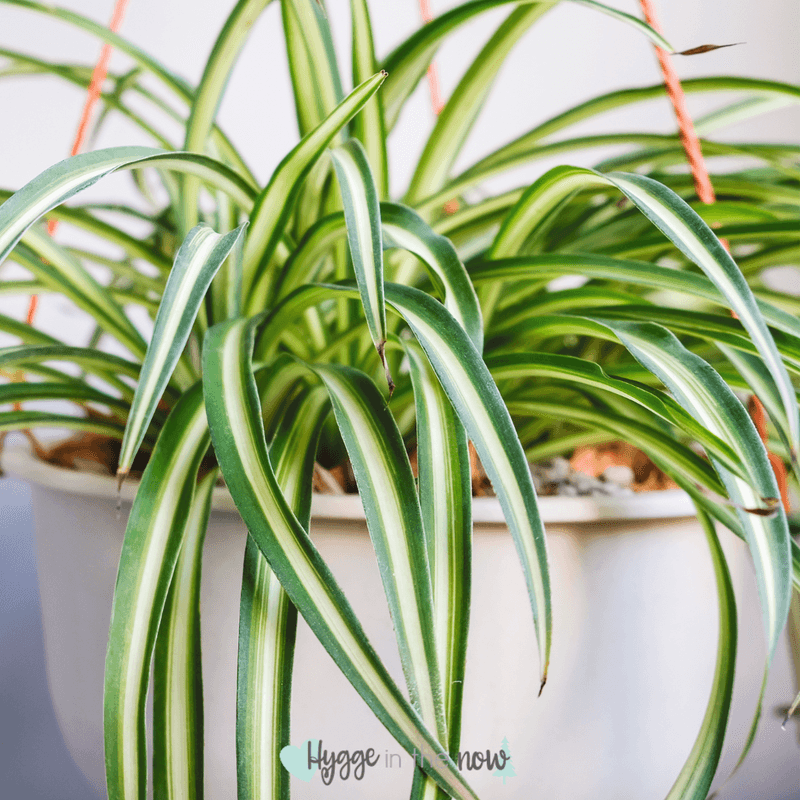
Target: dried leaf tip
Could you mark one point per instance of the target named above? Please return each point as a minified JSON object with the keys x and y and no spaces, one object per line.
{"x":121,"y":475}
{"x":705,"y":48}
{"x":541,"y":685}
{"x":381,"y":348}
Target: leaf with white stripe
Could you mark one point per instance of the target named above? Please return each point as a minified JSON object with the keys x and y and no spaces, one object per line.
{"x":276,"y":202}
{"x":177,"y":666}
{"x":478,"y":403}
{"x":105,"y":366}
{"x":61,"y":271}
{"x":459,"y":113}
{"x":695,"y":778}
{"x":237,"y":431}
{"x":409,"y":61}
{"x":27,"y":420}
{"x":363,"y":219}
{"x":312,"y":62}
{"x":196,"y":262}
{"x":65,"y":179}
{"x":536,"y":209}
{"x":579,"y":371}
{"x":394,"y":520}
{"x":674,"y":458}
{"x":699,"y":389}
{"x":216,"y":73}
{"x":445,"y":495}
{"x":546,"y":266}
{"x":369,"y":127}
{"x":153,"y":539}
{"x":404,"y":228}
{"x":268,"y":620}
{"x":471,"y":390}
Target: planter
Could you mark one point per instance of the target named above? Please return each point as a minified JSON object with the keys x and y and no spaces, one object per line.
{"x":635,"y":630}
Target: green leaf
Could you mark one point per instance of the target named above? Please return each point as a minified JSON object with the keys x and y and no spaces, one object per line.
{"x":268,"y":620}
{"x":55,"y":267}
{"x":578,"y":371}
{"x":275,"y":203}
{"x":460,"y":112}
{"x":386,"y":489}
{"x":60,"y":182}
{"x":95,"y":362}
{"x":234,"y":416}
{"x":546,"y":266}
{"x":177,"y":667}
{"x":623,"y":97}
{"x":363,"y":218}
{"x":477,"y":402}
{"x":369,"y":127}
{"x":673,"y":458}
{"x":305,"y":261}
{"x":683,"y":228}
{"x":404,"y":228}
{"x":27,"y":420}
{"x":312,"y":62}
{"x":169,"y":79}
{"x":445,"y":495}
{"x":695,"y":778}
{"x":77,"y":392}
{"x":196,"y":263}
{"x":471,"y":390}
{"x":699,"y":389}
{"x":407,"y":63}
{"x":26,"y":333}
{"x":219,"y":65}
{"x":153,"y":538}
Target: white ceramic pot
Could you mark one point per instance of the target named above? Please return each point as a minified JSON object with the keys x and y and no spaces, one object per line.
{"x":635,"y":632}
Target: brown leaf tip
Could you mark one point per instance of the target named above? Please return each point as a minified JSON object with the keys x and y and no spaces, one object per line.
{"x":705,"y":48}
{"x":121,"y":475}
{"x":541,"y":685}
{"x":381,"y":348}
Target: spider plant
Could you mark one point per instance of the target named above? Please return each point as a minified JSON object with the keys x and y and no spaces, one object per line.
{"x":269,"y":312}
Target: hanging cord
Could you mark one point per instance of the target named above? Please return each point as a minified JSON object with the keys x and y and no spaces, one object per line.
{"x":706,"y":194}
{"x":433,"y":74}
{"x":92,"y":96}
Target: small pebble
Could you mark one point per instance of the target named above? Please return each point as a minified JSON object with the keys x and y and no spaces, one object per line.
{"x":620,"y":475}
{"x":555,"y":471}
{"x":586,"y":484}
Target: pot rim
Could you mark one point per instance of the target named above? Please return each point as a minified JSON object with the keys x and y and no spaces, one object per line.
{"x":18,"y":461}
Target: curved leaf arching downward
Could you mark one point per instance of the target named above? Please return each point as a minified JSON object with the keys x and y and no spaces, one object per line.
{"x":536,"y":209}
{"x":153,"y":538}
{"x":478,"y":404}
{"x":237,"y":431}
{"x":197,"y":261}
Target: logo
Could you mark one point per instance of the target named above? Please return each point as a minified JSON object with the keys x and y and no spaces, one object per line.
{"x":305,"y":760}
{"x":297,"y":760}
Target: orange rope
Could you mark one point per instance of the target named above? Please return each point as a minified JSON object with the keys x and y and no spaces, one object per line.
{"x":433,"y":75}
{"x":691,"y":144}
{"x":705,"y":191}
{"x":92,"y":96}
